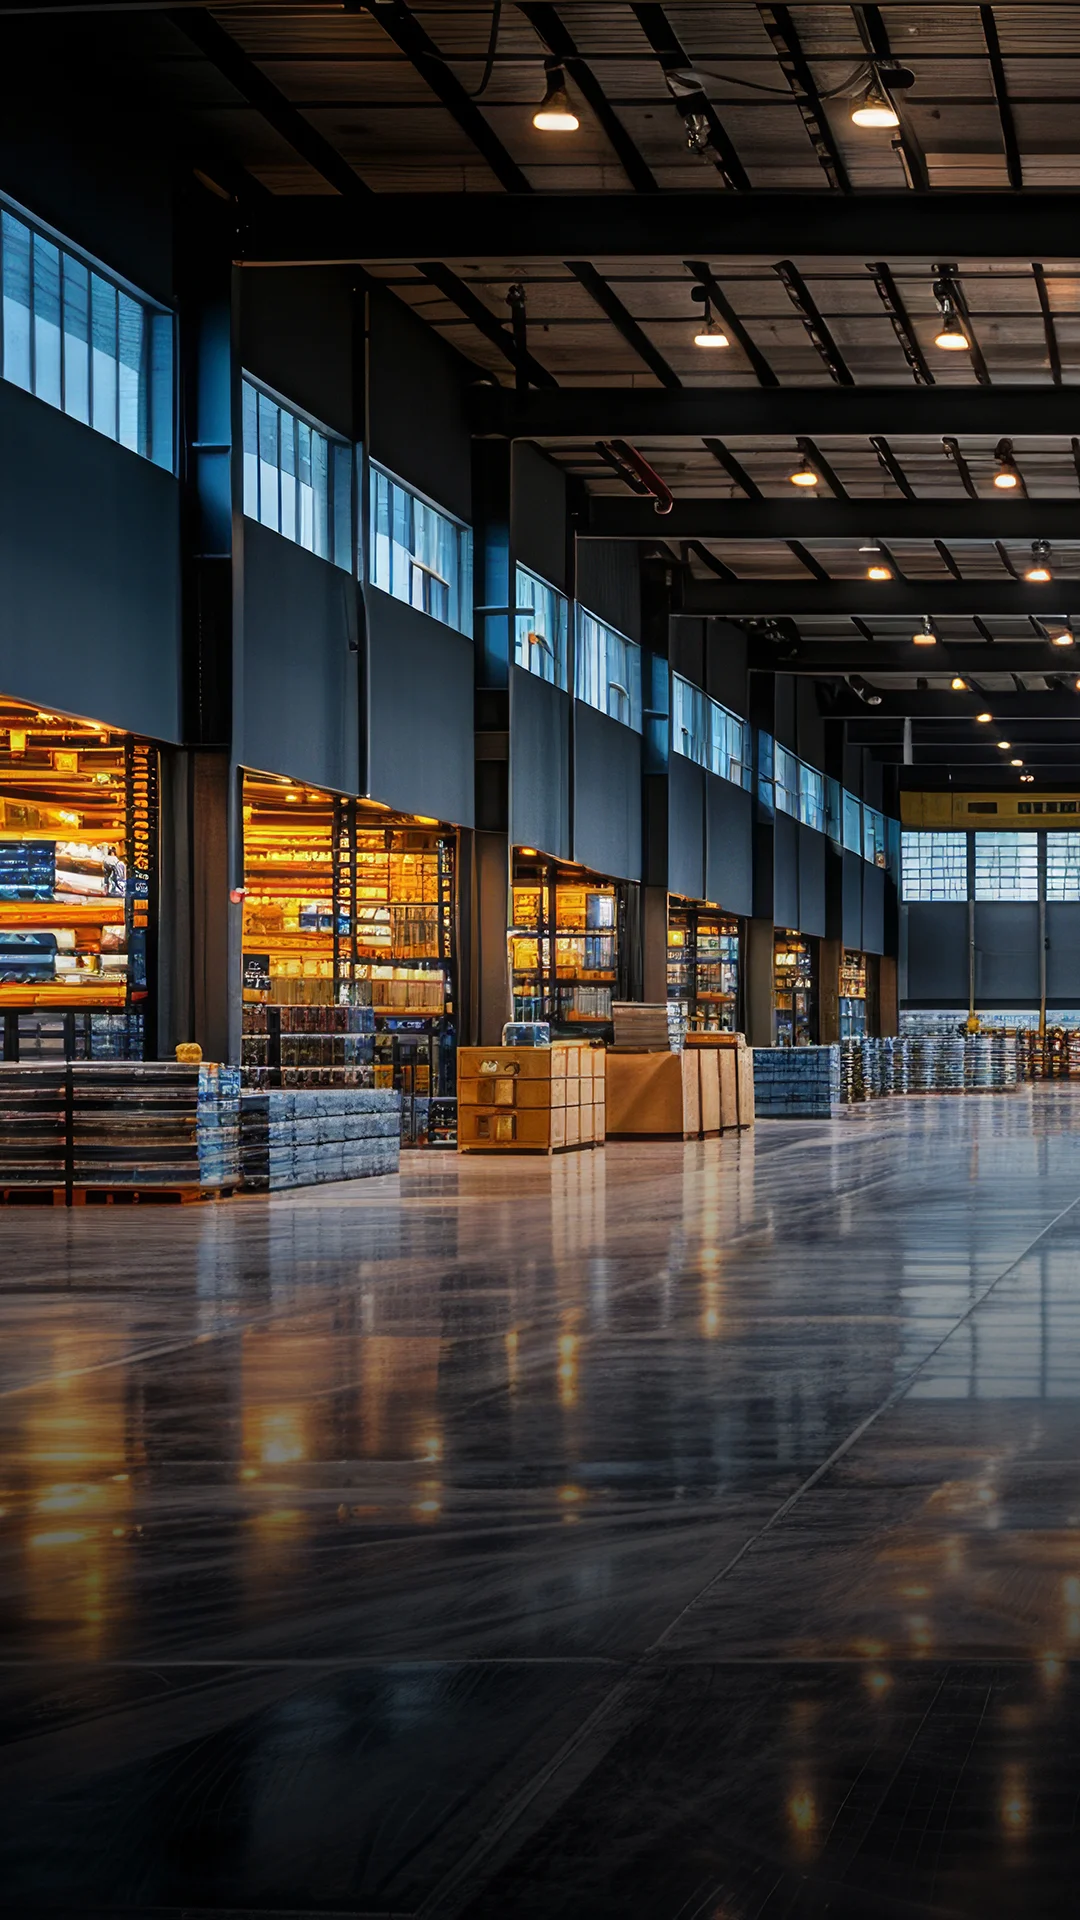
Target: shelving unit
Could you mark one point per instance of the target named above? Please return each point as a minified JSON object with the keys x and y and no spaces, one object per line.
{"x":566,"y":944}
{"x":349,"y":918}
{"x":703,"y":967}
{"x":793,"y":984}
{"x":852,"y":996}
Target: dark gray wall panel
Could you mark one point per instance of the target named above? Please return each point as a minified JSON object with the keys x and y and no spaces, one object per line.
{"x":417,"y":425}
{"x":729,"y":840}
{"x":296,"y":334}
{"x":938,"y":954}
{"x":785,"y":724}
{"x":1063,"y":953}
{"x":809,"y":725}
{"x":298,"y":711}
{"x":102,"y":172}
{"x":686,"y":649}
{"x":686,"y":828}
{"x":538,"y":514}
{"x":420,"y":712}
{"x":539,"y":765}
{"x":1006,"y":952}
{"x":812,"y":849}
{"x":609,"y":583}
{"x":89,"y":572}
{"x":851,"y":917}
{"x":725,"y":664}
{"x":607,"y":794}
{"x":873,"y":914}
{"x":786,"y":873}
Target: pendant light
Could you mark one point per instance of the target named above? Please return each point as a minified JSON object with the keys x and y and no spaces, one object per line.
{"x":1007,"y":476}
{"x":879,"y":571}
{"x":710,"y":333}
{"x":1039,"y":571}
{"x":555,"y":114}
{"x":926,"y":637}
{"x":804,"y":475}
{"x":950,"y":335}
{"x":875,"y":109}
{"x":958,"y":684}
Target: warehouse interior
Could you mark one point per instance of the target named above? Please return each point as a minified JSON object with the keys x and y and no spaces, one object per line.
{"x":540,"y":852}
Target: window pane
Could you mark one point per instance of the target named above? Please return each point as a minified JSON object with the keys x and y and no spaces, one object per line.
{"x":852,"y":823}
{"x":131,"y":335}
{"x":1006,"y":866}
{"x":76,"y":340}
{"x":786,"y":782}
{"x":420,"y":555}
{"x":103,"y":361}
{"x":811,"y":797}
{"x":251,"y":451}
{"x":269,"y":501}
{"x":320,"y":490}
{"x":933,"y":866}
{"x":16,"y":269}
{"x":540,"y":624}
{"x":1063,"y":866}
{"x":46,"y":321}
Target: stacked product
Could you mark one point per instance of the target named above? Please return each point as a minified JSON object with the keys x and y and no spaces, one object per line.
{"x":155,"y":1124}
{"x":301,"y":1139}
{"x":797,"y":1082}
{"x":32,"y":1126}
{"x":312,"y":1046}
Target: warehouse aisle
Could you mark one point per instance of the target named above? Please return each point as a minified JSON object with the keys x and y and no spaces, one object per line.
{"x":671,"y":1531}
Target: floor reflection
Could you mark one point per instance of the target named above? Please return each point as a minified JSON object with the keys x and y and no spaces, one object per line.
{"x":664,"y":1531}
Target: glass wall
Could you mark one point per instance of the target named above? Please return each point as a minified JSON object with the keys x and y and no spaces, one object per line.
{"x":1063,"y":866}
{"x":789,"y":785}
{"x":608,"y":673}
{"x":934,"y":866}
{"x":419,"y":554}
{"x":1006,"y":866}
{"x":540,"y":628}
{"x":79,"y":339}
{"x":297,"y":477}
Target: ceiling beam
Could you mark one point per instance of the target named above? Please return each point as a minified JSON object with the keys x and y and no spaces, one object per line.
{"x":629,"y":413}
{"x":951,"y":716}
{"x":702,"y":226}
{"x":605,"y":518}
{"x":888,"y":599}
{"x":832,"y":659}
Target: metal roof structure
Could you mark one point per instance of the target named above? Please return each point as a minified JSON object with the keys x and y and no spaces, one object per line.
{"x":715,"y":155}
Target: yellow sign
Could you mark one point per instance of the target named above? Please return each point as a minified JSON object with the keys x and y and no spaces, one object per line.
{"x":962,"y":812}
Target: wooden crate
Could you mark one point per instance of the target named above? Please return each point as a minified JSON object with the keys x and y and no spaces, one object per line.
{"x":528,"y":1099}
{"x":653,"y":1093}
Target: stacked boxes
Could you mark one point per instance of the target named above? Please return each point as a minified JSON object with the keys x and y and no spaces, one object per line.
{"x":796,"y":1082}
{"x":32,"y":1126}
{"x":155,"y":1124}
{"x":303,"y":1138}
{"x":531,"y":1099}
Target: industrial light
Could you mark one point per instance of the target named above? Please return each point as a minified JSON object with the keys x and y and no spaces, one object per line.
{"x":710,"y":333}
{"x":957,"y":684}
{"x":950,"y":334}
{"x":805,"y":476}
{"x":1027,"y":778}
{"x":555,"y":114}
{"x":875,"y":109}
{"x":1004,"y":745}
{"x":1007,"y":476}
{"x":878,"y":572}
{"x":859,"y":686}
{"x":1062,"y":638}
{"x":1039,"y":571}
{"x":1016,"y":763}
{"x":926,"y":637}
{"x":984,"y":717}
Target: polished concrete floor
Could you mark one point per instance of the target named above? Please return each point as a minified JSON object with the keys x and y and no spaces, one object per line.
{"x":680,"y":1532}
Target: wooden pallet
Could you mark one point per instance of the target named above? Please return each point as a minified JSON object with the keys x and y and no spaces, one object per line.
{"x":82,"y":1196}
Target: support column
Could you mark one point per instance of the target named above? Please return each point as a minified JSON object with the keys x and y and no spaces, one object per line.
{"x":654,"y":919}
{"x":487,"y":960}
{"x":830,"y":954}
{"x":759,"y":983}
{"x":888,"y":995}
{"x":205,"y":992}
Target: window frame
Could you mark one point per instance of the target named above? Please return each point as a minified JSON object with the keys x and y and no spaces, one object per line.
{"x":593,"y":681}
{"x":1018,"y":841}
{"x":525,"y":637}
{"x":458,"y":583}
{"x":954,"y":873}
{"x":332,"y":520}
{"x":111,"y":303}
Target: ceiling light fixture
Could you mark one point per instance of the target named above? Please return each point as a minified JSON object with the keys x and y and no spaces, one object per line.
{"x":1039,"y":571}
{"x":710,"y":333}
{"x":1007,"y":477}
{"x":1004,"y":745}
{"x":984,"y":718}
{"x":804,"y":476}
{"x":1062,"y":637}
{"x":879,"y":572}
{"x":555,"y":114}
{"x":1016,"y":763}
{"x":874,"y":108}
{"x":950,"y":334}
{"x":926,"y":637}
{"x":1027,"y":778}
{"x":859,"y":687}
{"x":958,"y":684}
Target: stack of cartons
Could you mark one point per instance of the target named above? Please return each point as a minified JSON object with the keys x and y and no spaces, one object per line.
{"x":32,"y":1126}
{"x":302,"y":1139}
{"x":531,"y":1099}
{"x":797,"y":1082}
